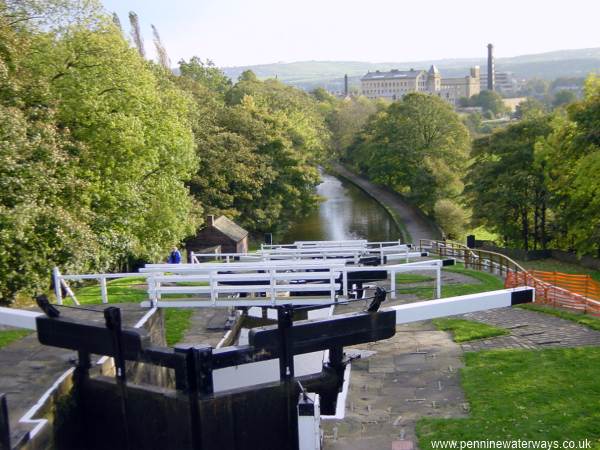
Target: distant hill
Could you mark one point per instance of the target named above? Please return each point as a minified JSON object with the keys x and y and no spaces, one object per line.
{"x":329,"y":74}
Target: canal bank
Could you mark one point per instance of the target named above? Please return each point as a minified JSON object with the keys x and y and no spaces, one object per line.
{"x":411,"y":221}
{"x":345,"y":212}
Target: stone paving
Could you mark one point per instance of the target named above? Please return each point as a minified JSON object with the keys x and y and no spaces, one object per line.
{"x":207,"y":326}
{"x":416,"y":373}
{"x":530,"y":330}
{"x":412,"y":375}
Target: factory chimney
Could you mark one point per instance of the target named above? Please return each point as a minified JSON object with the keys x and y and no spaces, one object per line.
{"x":491,"y":69}
{"x":345,"y":85}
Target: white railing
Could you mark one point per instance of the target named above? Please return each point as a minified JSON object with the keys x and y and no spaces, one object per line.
{"x":273,"y":279}
{"x":275,"y":284}
{"x":352,"y":250}
{"x":432,"y":265}
{"x":227,"y":257}
{"x":337,"y":243}
{"x":61,"y":280}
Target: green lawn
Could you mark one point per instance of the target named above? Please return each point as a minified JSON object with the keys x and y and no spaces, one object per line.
{"x":121,"y":290}
{"x":553,"y":265}
{"x":552,"y":394}
{"x":177,"y":322}
{"x":582,"y":319}
{"x":468,"y":330}
{"x":8,"y":336}
{"x":408,"y":278}
{"x":483,"y":282}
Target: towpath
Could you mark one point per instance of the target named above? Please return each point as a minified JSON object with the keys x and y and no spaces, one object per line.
{"x":418,"y":226}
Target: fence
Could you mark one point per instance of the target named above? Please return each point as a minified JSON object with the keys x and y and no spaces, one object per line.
{"x":270,"y":279}
{"x":60,"y":282}
{"x":559,"y":290}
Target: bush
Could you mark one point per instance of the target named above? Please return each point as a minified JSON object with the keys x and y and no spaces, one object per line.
{"x":451,"y":217}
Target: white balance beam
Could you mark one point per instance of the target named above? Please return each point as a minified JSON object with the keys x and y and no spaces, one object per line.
{"x":19,"y":318}
{"x":452,"y":306}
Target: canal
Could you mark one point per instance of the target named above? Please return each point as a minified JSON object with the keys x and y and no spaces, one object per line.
{"x":346,"y":212}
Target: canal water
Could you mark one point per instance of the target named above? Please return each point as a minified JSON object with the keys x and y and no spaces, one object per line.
{"x":346,"y":212}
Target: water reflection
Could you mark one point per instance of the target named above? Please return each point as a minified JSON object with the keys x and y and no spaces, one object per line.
{"x":346,"y":213}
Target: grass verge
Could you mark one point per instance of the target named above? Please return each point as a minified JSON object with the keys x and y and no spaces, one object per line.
{"x":582,"y":319}
{"x":121,"y":290}
{"x":554,"y":265}
{"x":542,"y":395}
{"x":484,"y":282}
{"x":408,"y":278}
{"x":9,"y":336}
{"x":468,"y":330}
{"x":177,"y":322}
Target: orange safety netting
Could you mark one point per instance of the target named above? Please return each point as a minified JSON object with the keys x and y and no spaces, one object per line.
{"x":580,"y":284}
{"x":559,"y":289}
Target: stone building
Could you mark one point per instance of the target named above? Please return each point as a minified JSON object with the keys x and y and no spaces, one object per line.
{"x":221,"y":232}
{"x":394,"y":84}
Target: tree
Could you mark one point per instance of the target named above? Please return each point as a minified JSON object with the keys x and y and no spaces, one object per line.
{"x":205,"y":73}
{"x":530,"y":107}
{"x":489,"y":101}
{"x":136,"y":33}
{"x":563,"y":97}
{"x":161,"y":51}
{"x":97,"y":147}
{"x":345,"y":118}
{"x":451,"y":217}
{"x":572,"y":155}
{"x":417,"y":146}
{"x":507,"y":187}
{"x":258,"y":146}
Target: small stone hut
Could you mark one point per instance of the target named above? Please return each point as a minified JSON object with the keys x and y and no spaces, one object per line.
{"x":220,"y":232}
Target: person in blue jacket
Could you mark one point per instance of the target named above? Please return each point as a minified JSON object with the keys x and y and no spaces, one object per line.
{"x":174,"y":256}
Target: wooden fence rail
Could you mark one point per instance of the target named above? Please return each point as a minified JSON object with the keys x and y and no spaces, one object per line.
{"x":575,"y":292}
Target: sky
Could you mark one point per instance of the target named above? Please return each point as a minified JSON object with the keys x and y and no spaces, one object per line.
{"x":247,"y":32}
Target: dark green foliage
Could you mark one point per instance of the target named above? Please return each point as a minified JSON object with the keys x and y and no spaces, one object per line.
{"x":506,"y":186}
{"x":489,"y":101}
{"x":258,"y":149}
{"x":417,"y":146}
{"x":536,"y":184}
{"x":101,"y":148}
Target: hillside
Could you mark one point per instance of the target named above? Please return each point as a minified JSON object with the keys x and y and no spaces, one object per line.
{"x":310,"y":74}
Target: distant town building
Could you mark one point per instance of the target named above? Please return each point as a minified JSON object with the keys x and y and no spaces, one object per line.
{"x":504,"y":83}
{"x":395,"y":84}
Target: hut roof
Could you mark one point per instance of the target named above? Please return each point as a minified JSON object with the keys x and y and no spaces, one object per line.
{"x":229,"y":228}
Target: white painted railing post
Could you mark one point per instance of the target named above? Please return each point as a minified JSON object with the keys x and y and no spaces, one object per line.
{"x":438,"y":287}
{"x":332,"y":281}
{"x":407,"y":249}
{"x":213,"y":286}
{"x":345,"y":282}
{"x":273,"y":284}
{"x":151,"y":290}
{"x":393,"y":283}
{"x":157,"y":286}
{"x":381,"y":255}
{"x":103,"y":290}
{"x":57,"y":285}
